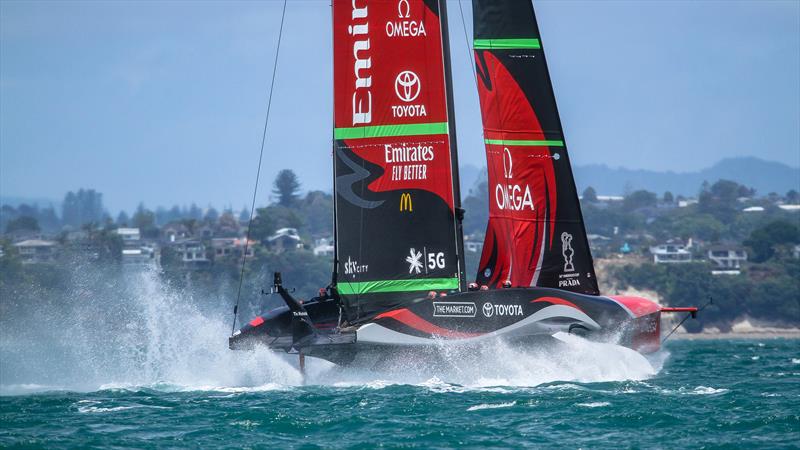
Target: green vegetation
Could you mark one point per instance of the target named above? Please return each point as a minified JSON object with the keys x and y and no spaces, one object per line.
{"x":767,"y":289}
{"x":766,"y":292}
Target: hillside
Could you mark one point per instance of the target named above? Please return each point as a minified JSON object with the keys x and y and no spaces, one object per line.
{"x":763,"y":176}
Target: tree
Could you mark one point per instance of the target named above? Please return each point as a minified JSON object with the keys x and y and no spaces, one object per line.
{"x":668,"y":198}
{"x":211,"y":215}
{"x":123,"y":219}
{"x":145,"y":221}
{"x":589,"y":195}
{"x":174,"y":214}
{"x":286,"y":187}
{"x":793,"y":196}
{"x":639,"y":199}
{"x":22,"y":223}
{"x":764,"y":240}
{"x":162,"y":216}
{"x":195,"y":212}
{"x":244,"y":216}
{"x":227,"y":225}
{"x":316,"y":210}
{"x":263,"y":225}
{"x":82,"y":207}
{"x":48,"y":220}
{"x":721,"y":199}
{"x":476,"y":208}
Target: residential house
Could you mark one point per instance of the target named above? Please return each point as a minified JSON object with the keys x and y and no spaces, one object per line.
{"x":232,"y":248}
{"x":129,"y":235}
{"x":37,"y":251}
{"x":671,"y":253}
{"x":134,"y":251}
{"x":727,"y":257}
{"x":323,"y":247}
{"x":473,"y":246}
{"x":285,"y":239}
{"x":473,"y":243}
{"x":191,"y":251}
{"x":143,"y":255}
{"x":205,"y":232}
{"x":175,"y":231}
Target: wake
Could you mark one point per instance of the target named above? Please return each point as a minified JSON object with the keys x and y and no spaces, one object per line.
{"x":162,"y":339}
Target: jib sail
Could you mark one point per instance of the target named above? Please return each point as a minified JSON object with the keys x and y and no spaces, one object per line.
{"x":535,"y":235}
{"x":395,"y":224}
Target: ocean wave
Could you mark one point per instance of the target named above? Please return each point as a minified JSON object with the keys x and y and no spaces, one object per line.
{"x":90,"y":406}
{"x":705,"y":390}
{"x":491,"y":406}
{"x":170,"y":344}
{"x":593,"y":404}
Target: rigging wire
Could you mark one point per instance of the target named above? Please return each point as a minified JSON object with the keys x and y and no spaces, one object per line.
{"x":710,"y":302}
{"x":470,"y":56}
{"x":258,"y":171}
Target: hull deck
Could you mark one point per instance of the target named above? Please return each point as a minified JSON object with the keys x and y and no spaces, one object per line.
{"x":519,"y":316}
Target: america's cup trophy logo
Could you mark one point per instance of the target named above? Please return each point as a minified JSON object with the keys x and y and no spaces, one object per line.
{"x":567,"y":251}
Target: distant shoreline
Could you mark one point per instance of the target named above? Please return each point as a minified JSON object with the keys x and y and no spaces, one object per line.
{"x":788,"y":334}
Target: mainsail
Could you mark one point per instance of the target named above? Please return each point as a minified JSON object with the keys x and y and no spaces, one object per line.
{"x":395,"y":212}
{"x":535,"y":235}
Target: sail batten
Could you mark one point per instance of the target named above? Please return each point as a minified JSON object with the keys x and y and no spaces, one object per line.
{"x":510,"y":43}
{"x":413,"y":129}
{"x":535,"y":235}
{"x":524,"y":142}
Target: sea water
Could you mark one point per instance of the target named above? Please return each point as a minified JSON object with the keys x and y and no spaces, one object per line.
{"x":157,"y":373}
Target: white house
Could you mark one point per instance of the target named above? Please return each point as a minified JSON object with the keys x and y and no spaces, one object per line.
{"x":285,"y":238}
{"x":323,"y":247}
{"x":36,"y":251}
{"x":671,"y":253}
{"x":727,"y":257}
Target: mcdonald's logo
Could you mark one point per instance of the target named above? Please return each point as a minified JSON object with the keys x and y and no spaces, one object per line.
{"x":405,"y":202}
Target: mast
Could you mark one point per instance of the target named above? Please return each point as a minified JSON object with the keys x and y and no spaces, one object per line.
{"x":451,"y":122}
{"x":335,"y":269}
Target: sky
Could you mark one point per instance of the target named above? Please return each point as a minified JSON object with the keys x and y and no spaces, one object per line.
{"x":164,"y":102}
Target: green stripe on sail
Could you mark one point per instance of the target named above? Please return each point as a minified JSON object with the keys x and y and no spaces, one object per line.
{"x":411,"y":129}
{"x":372,"y":287}
{"x":505,"y":44}
{"x":524,"y":143}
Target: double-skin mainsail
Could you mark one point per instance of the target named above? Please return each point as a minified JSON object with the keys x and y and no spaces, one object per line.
{"x":535,"y":235}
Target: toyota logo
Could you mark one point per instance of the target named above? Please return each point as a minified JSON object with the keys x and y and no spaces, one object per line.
{"x":407,"y":86}
{"x":488,"y":309}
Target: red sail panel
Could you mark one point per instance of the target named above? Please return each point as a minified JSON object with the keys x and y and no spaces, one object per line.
{"x":535,"y":235}
{"x":395,"y":217}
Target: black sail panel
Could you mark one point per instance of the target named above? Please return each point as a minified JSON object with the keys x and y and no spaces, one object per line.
{"x":536,"y":234}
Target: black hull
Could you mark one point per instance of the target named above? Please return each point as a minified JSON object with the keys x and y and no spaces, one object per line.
{"x":522,"y":317}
